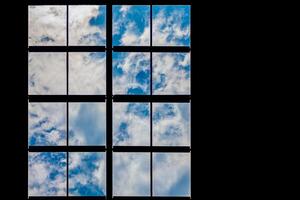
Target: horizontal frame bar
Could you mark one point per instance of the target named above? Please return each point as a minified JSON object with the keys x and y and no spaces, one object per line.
{"x":152,"y":198}
{"x":110,"y":2}
{"x":177,"y":49}
{"x":103,"y":197}
{"x":67,"y":98}
{"x":66,"y":197}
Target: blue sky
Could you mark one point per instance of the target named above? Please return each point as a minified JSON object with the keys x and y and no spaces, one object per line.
{"x":87,"y":121}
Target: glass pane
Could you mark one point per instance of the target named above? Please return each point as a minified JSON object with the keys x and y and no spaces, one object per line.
{"x":131,"y":124}
{"x":87,"y":73}
{"x":171,"y":73}
{"x":131,"y":174}
{"x":87,"y":25}
{"x":87,"y":174}
{"x":131,"y":73}
{"x":131,"y":25}
{"x":47,"y":124}
{"x":171,"y":25}
{"x":171,"y":174}
{"x":47,"y":174}
{"x":87,"y":123}
{"x":171,"y":124}
{"x":47,"y":25}
{"x":47,"y":73}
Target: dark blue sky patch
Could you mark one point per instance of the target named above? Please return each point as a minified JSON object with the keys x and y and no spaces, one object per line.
{"x":136,"y":90}
{"x":99,"y":20}
{"x":143,"y":77}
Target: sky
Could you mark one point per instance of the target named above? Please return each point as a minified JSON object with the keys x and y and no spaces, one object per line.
{"x":47,"y":124}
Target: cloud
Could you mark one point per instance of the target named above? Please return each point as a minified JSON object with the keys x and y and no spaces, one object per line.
{"x":131,"y":174}
{"x":87,"y":73}
{"x":171,"y":25}
{"x":47,"y":25}
{"x":131,"y":25}
{"x":171,"y":174}
{"x":171,"y":73}
{"x":87,"y":174}
{"x":87,"y":123}
{"x":131,"y":124}
{"x":47,"y":73}
{"x":171,"y":124}
{"x":131,"y":73}
{"x":47,"y":124}
{"x":87,"y":25}
{"x":47,"y":174}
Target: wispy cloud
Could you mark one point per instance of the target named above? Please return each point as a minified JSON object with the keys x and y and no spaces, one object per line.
{"x":47,"y":124}
{"x":47,"y":174}
{"x":47,"y":73}
{"x":87,"y":25}
{"x":47,"y":25}
{"x":87,"y":123}
{"x":171,"y":174}
{"x":87,"y":73}
{"x":131,"y":174}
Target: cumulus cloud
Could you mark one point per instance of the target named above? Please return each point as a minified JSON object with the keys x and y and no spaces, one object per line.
{"x":171,"y":124}
{"x":171,"y":25}
{"x":87,"y":174}
{"x":46,"y":124}
{"x":47,"y":174}
{"x":131,"y":124}
{"x":131,"y":73}
{"x":87,"y":124}
{"x":47,"y":73}
{"x":47,"y":25}
{"x":131,"y":25}
{"x":171,"y":73}
{"x":131,"y":174}
{"x":171,"y":174}
{"x":87,"y":25}
{"x":87,"y":73}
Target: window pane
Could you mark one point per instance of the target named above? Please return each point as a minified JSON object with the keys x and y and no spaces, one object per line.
{"x":171,"y":73}
{"x":171,"y":25}
{"x":87,"y":174}
{"x":47,"y":174}
{"x":46,"y":124}
{"x":87,"y":25}
{"x":131,"y":174}
{"x":171,"y":124}
{"x":87,"y":123}
{"x":131,"y":124}
{"x":47,"y":25}
{"x":131,"y":73}
{"x":47,"y":73}
{"x":131,"y":26}
{"x":171,"y":174}
{"x":87,"y":73}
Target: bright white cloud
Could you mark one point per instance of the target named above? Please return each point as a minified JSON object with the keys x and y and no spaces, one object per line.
{"x":87,"y":73}
{"x":81,"y":31}
{"x":47,"y":73}
{"x":46,"y":174}
{"x":47,"y":25}
{"x":47,"y":123}
{"x":131,"y":124}
{"x":131,"y":174}
{"x":87,"y":123}
{"x":171,"y":124}
{"x":171,"y":73}
{"x":171,"y":174}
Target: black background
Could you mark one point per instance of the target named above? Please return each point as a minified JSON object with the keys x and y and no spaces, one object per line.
{"x":220,"y":169}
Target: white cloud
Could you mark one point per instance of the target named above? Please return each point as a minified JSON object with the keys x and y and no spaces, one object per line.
{"x":138,"y":128}
{"x":49,"y":120}
{"x":176,"y":71}
{"x":47,"y":25}
{"x":80,"y":30}
{"x":171,"y":130}
{"x":131,"y":174}
{"x":168,"y":171}
{"x":47,"y":73}
{"x":87,"y":73}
